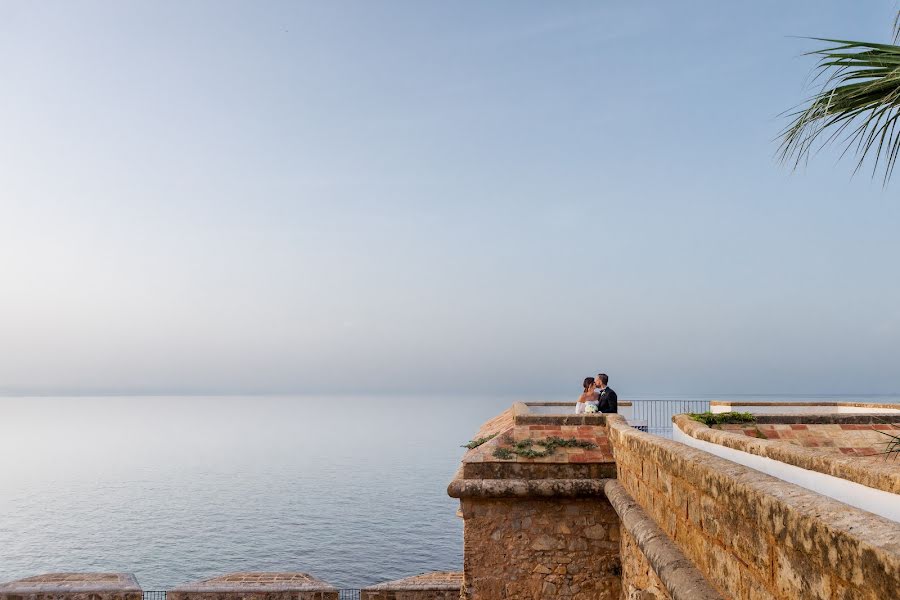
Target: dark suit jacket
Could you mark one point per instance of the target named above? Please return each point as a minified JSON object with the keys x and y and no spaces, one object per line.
{"x":609,"y":401}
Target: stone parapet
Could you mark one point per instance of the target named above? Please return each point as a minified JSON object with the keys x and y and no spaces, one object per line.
{"x":525,"y":488}
{"x":73,"y":586}
{"x":818,"y":407}
{"x":651,"y":562}
{"x":539,"y":527}
{"x":519,"y":424}
{"x":256,"y":586}
{"x":752,"y":535}
{"x":881,"y":475}
{"x":441,"y":585}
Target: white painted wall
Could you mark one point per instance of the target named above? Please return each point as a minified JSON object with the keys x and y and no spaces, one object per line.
{"x":855,"y":494}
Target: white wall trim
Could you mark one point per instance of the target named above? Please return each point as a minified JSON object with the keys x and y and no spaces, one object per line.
{"x":855,"y":494}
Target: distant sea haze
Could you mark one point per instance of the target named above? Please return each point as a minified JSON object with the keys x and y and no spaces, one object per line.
{"x":351,"y":489}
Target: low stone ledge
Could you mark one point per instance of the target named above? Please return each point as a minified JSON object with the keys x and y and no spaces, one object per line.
{"x":829,"y":419}
{"x":52,"y":586}
{"x":682,"y":579}
{"x":256,"y":586}
{"x":884,"y":477}
{"x":438,"y":585}
{"x":525,"y":488}
{"x":539,"y":470}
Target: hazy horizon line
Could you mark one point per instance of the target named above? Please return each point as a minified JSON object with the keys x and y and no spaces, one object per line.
{"x":213,"y":394}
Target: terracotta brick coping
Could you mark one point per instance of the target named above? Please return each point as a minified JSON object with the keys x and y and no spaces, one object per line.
{"x":829,"y":419}
{"x":889,"y":406}
{"x":821,"y":520}
{"x":437,"y":581}
{"x":593,"y":462}
{"x":682,"y":579}
{"x":525,"y":488}
{"x":523,"y":415}
{"x":258,"y":582}
{"x":882,"y":476}
{"x":73,"y":583}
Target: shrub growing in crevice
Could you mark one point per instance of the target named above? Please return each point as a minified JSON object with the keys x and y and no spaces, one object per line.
{"x":482,"y":440}
{"x":527,"y":448}
{"x":710,"y":419}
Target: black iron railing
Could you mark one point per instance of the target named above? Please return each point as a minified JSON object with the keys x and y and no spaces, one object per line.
{"x":154,"y":595}
{"x":347,"y":594}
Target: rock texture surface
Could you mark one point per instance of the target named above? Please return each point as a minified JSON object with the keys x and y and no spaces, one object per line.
{"x":539,"y":528}
{"x":541,"y":548}
{"x":639,"y":580}
{"x":653,"y":566}
{"x":256,"y":586}
{"x":441,"y":585}
{"x":73,"y":586}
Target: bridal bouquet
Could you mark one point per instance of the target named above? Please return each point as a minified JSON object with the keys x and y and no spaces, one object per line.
{"x":591,"y":408}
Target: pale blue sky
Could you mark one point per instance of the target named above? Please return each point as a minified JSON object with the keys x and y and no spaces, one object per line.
{"x":210,"y":197}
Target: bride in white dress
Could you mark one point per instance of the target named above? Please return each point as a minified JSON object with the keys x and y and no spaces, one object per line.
{"x":588,"y":398}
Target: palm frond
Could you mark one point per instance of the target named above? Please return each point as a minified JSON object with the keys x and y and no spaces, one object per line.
{"x":857,"y":105}
{"x":892,"y":446}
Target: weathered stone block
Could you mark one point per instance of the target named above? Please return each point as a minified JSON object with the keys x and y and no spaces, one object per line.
{"x":565,"y":552}
{"x":428,"y":586}
{"x":256,"y":586}
{"x":73,"y":586}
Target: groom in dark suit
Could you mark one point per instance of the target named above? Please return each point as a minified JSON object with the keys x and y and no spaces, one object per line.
{"x":609,"y":401}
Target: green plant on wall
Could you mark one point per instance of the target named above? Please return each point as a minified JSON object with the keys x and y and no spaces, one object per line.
{"x":478,"y":442}
{"x":530,"y":448}
{"x":709,"y":419}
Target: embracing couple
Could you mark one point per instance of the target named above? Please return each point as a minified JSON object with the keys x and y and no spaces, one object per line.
{"x":597,"y":396}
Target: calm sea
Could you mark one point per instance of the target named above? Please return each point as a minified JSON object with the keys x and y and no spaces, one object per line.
{"x":351,"y":489}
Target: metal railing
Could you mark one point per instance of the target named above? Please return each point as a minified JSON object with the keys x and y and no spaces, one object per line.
{"x":657,"y":414}
{"x":154,"y":595}
{"x":347,"y":594}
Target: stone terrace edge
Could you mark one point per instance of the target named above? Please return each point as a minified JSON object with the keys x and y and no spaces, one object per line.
{"x":438,"y":581}
{"x":73,"y":583}
{"x":269,"y":583}
{"x":885,"y":477}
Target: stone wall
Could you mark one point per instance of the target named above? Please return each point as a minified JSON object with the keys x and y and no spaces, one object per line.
{"x":533,"y":548}
{"x":751,"y":535}
{"x":73,"y":586}
{"x":428,"y":586}
{"x":653,"y":567}
{"x":847,"y":446}
{"x":639,"y":580}
{"x":256,"y":586}
{"x":537,"y":525}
